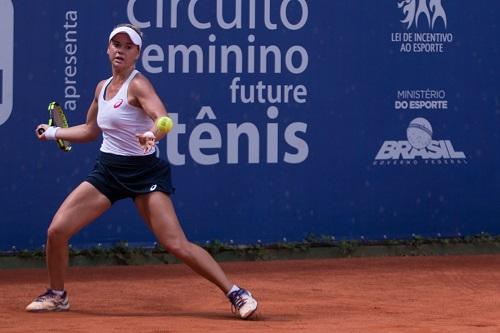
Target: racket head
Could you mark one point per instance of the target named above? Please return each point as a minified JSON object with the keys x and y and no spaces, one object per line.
{"x":58,"y":118}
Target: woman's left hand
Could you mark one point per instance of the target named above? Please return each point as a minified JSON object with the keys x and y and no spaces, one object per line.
{"x":147,"y":141}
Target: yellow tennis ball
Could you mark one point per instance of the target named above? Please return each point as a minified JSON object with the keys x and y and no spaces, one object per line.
{"x":164,"y":124}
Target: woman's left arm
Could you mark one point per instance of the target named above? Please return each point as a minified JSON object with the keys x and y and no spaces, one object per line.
{"x":142,"y":94}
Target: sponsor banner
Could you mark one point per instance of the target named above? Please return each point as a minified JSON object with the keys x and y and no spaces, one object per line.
{"x":352,"y":119}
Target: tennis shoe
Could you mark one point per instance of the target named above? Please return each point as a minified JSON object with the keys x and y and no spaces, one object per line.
{"x":49,"y":301}
{"x":243,"y":303}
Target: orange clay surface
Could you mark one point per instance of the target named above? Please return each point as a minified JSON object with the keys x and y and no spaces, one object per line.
{"x":391,"y":294}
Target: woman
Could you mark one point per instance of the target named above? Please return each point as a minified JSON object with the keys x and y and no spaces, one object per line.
{"x":124,"y":109}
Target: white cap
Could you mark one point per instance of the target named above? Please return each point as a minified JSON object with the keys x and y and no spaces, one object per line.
{"x":134,"y":36}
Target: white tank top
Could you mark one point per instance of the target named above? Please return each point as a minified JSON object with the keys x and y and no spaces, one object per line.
{"x":120,"y":122}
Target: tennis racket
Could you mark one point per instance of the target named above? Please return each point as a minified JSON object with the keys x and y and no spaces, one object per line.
{"x":58,"y":119}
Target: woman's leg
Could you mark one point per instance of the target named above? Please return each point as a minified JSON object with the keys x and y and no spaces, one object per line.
{"x":158,"y":211}
{"x":80,"y":208}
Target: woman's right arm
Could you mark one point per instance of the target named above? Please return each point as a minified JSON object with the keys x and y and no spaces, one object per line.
{"x":86,"y":132}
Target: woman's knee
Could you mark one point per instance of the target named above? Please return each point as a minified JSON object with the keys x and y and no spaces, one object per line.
{"x":179,"y":248}
{"x":56,"y":233}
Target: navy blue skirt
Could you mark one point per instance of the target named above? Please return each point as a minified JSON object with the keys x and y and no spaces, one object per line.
{"x":119,"y":177}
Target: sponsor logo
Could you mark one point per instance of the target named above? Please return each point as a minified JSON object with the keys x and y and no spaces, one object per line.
{"x":425,"y":22}
{"x":420,"y":99}
{"x":415,"y":9}
{"x":6,"y":59}
{"x":419,"y":148}
{"x":118,"y":104}
{"x":153,"y":187}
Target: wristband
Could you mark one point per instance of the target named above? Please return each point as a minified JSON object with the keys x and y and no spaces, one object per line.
{"x":149,"y":135}
{"x":50,"y":133}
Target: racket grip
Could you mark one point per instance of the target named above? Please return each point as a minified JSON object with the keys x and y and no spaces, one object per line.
{"x":40,"y":131}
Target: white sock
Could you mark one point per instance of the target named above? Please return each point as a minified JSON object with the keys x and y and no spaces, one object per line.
{"x":58,"y":292}
{"x":233,"y":288}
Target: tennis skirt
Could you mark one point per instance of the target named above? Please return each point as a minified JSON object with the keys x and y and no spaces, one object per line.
{"x":119,"y":177}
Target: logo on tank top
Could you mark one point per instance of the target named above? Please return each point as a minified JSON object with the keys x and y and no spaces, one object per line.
{"x":118,"y":104}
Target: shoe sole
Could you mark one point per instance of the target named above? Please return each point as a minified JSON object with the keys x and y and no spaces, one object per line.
{"x":57,"y":309}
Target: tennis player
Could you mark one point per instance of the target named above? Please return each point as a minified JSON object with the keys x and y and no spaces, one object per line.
{"x":124,"y":109}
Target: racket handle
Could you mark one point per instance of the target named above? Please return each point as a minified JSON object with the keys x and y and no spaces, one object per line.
{"x":40,"y":131}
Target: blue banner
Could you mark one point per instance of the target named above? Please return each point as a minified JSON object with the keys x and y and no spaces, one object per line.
{"x":352,"y":119}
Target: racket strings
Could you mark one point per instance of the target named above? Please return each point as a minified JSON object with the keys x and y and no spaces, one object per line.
{"x":59,"y":120}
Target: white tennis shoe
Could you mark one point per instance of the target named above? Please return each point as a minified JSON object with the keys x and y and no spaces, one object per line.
{"x":243,"y":303}
{"x":49,"y":301}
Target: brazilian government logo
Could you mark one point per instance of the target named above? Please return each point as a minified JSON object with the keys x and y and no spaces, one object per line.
{"x":420,"y":147}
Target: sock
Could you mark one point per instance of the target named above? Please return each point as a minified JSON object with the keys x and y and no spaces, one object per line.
{"x":58,"y":292}
{"x":233,"y":288}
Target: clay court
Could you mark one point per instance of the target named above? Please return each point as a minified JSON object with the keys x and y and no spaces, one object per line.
{"x":390,"y":294}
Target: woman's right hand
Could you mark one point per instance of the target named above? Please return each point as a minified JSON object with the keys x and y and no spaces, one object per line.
{"x":40,"y":130}
{"x":147,"y":140}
